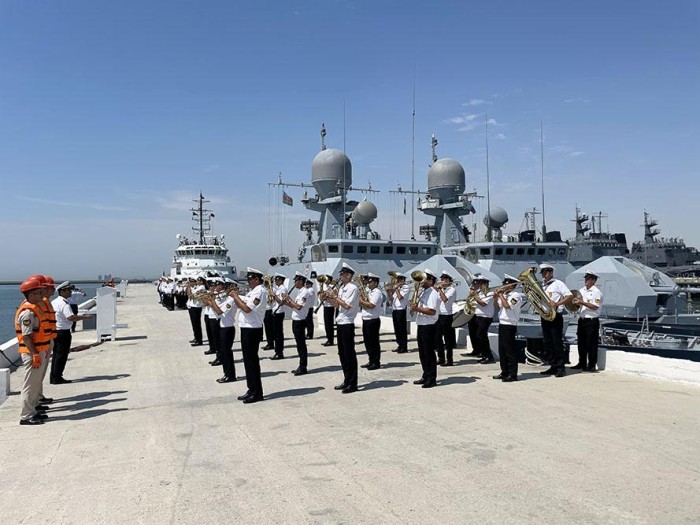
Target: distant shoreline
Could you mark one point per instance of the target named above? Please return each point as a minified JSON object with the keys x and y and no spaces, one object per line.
{"x":83,"y":281}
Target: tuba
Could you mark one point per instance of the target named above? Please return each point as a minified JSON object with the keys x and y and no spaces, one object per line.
{"x":361,"y":286}
{"x":536,"y":295}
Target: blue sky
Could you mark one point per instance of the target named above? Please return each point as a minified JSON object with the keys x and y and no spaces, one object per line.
{"x":114,"y":115}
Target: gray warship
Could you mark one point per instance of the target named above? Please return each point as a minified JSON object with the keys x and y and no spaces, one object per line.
{"x":591,"y":242}
{"x":662,"y":253}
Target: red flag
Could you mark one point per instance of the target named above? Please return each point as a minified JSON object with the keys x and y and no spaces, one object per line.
{"x":286,"y":199}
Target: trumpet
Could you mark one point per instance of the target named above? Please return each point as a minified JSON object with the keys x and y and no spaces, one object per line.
{"x":321,"y":280}
{"x":440,"y":286}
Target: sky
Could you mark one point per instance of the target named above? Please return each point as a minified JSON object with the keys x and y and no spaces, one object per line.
{"x":115,"y":115}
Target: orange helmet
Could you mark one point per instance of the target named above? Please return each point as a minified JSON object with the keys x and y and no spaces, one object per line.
{"x":48,"y":281}
{"x":31,"y":283}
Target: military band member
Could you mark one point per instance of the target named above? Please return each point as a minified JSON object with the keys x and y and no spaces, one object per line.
{"x":588,"y":323}
{"x":300,"y":305}
{"x":310,"y":314}
{"x":194,"y":309}
{"x":329,"y":314}
{"x":251,"y":311}
{"x":371,"y":308}
{"x":509,"y":302}
{"x":443,"y":328}
{"x":398,"y":296}
{"x":278,"y":312}
{"x":426,"y":306}
{"x":347,"y":300}
{"x":268,"y":322}
{"x":225,"y":308}
{"x":553,"y":331}
{"x":484,"y":318}
{"x":211,"y":320}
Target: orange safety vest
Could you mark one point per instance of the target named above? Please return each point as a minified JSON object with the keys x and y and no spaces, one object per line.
{"x":48,"y":324}
{"x":41,"y":338}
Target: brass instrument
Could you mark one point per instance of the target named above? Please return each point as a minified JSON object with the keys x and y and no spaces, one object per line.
{"x":361,"y":286}
{"x":267,"y":282}
{"x":321,"y":280}
{"x":417,"y":277}
{"x":536,"y":295}
{"x":570,"y":306}
{"x":440,"y":286}
{"x":391,"y":285}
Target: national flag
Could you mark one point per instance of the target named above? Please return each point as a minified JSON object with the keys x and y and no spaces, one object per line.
{"x":286,"y":199}
{"x":404,"y":205}
{"x":471,"y":208}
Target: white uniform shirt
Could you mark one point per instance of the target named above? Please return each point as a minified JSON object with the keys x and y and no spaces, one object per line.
{"x":428,"y":299}
{"x":377,"y":299}
{"x":209,"y":312}
{"x":255,"y":300}
{"x":63,"y":312}
{"x":485,"y":311}
{"x":556,"y":291}
{"x":510,"y":316}
{"x":281,"y":292}
{"x":446,"y":306}
{"x":228,"y":311}
{"x":312,"y":297}
{"x":302,"y":298}
{"x":192,"y":302}
{"x":349,"y":294}
{"x":401,"y":304}
{"x":592,"y":295}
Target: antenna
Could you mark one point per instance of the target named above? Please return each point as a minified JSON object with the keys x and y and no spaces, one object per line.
{"x":345,"y":183}
{"x":433,"y":145}
{"x":544,"y":222}
{"x":323,"y":136}
{"x":489,"y":236}
{"x":413,"y":156}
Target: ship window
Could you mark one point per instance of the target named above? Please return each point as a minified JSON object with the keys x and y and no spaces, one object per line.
{"x":374,"y":249}
{"x":562,"y":251}
{"x":485,"y":251}
{"x":427,"y":250}
{"x":531,"y":251}
{"x":362,"y":249}
{"x":498,"y":251}
{"x":540,"y":251}
{"x":413,"y":250}
{"x":551,"y":251}
{"x":509,"y":251}
{"x":332,"y":248}
{"x":401,"y":250}
{"x":388,"y":249}
{"x":520,"y":251}
{"x":347,"y":248}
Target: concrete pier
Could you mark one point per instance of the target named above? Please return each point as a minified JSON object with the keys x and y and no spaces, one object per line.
{"x":144,"y":434}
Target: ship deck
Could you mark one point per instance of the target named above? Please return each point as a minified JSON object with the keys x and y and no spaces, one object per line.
{"x":144,"y":434}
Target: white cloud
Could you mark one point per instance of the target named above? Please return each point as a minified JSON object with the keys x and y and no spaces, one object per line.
{"x":462,"y":119}
{"x":500,"y":136}
{"x":576,"y":153}
{"x":475,"y":102}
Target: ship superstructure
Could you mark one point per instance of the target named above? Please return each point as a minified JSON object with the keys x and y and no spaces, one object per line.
{"x":591,"y":242}
{"x":661,"y":252}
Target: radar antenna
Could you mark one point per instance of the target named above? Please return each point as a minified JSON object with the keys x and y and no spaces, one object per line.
{"x":433,"y":145}
{"x":323,"y":136}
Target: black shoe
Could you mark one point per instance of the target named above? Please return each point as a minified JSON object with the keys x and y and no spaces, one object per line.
{"x":500,"y":376}
{"x":487,"y":361}
{"x":510,"y":379}
{"x":429,"y":384}
{"x":252,"y":399}
{"x":419,"y":381}
{"x":549,"y":372}
{"x":244,"y":396}
{"x":309,"y":336}
{"x":473,"y":354}
{"x":215,"y":362}
{"x":196,"y":343}
{"x":41,"y":416}
{"x":300,"y":371}
{"x":349,"y":389}
{"x":578,"y":366}
{"x":327,"y":343}
{"x":277,"y":356}
{"x":374,"y":366}
{"x":366,"y":365}
{"x":560,"y":373}
{"x":226,"y":379}
{"x":341,"y":386}
{"x":45,"y":400}
{"x":590,"y":369}
{"x":209,"y":352}
{"x":32,"y":421}
{"x":43,"y":408}
{"x":192,"y":340}
{"x":448,"y":363}
{"x":441,"y":362}
{"x":268,"y":347}
{"x":403,"y":351}
{"x":60,"y":381}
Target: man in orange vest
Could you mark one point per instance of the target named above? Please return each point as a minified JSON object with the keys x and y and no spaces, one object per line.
{"x":34,"y":343}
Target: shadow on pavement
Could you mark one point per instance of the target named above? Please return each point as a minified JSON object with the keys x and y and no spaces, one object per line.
{"x":398,"y":364}
{"x":131,"y":338}
{"x":88,"y":395}
{"x":86,"y":415}
{"x":456,"y":380}
{"x":101,"y":378}
{"x":382,"y":384}
{"x":294,"y":392}
{"x":328,"y":368}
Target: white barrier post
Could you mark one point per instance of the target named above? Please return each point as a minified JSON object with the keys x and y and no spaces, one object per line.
{"x":106,"y":313}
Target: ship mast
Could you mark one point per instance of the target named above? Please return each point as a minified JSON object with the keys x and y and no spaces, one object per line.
{"x":489,"y":233}
{"x":544,"y":222}
{"x":202,"y":219}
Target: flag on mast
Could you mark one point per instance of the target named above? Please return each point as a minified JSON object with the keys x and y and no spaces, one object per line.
{"x":404,"y":205}
{"x":286,"y":199}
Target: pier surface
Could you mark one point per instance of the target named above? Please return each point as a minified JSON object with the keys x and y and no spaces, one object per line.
{"x":144,"y":434}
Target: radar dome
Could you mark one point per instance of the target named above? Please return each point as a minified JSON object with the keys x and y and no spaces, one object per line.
{"x":499,"y":217}
{"x":364,"y":213}
{"x":330,"y":170}
{"x":446,"y":179}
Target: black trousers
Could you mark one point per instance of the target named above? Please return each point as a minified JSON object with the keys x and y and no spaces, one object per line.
{"x":328,"y":322}
{"x":587,"y":332}
{"x":472,"y":334}
{"x":61,"y":348}
{"x":269,"y":332}
{"x":426,"y":351}
{"x":482,"y":336}
{"x":210,"y":338}
{"x":444,"y":330}
{"x":310,"y":323}
{"x":400,"y":329}
{"x":507,"y":349}
{"x":196,"y":322}
{"x":553,"y":339}
{"x":74,"y":309}
{"x":370,"y":334}
{"x":299,"y":331}
{"x":278,"y":332}
{"x":346,"y":353}
{"x":250,"y":345}
{"x":215,"y":328}
{"x":227,"y":335}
